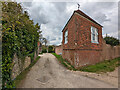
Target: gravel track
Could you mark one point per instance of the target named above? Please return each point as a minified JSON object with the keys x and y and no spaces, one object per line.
{"x":49,"y":73}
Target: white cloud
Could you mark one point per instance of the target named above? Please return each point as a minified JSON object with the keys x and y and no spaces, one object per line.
{"x":53,"y":16}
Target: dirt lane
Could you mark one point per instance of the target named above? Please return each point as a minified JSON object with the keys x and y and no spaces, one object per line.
{"x":49,"y":73}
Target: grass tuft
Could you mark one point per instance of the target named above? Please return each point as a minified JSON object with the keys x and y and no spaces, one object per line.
{"x":101,"y":67}
{"x":104,"y":66}
{"x":64,"y":62}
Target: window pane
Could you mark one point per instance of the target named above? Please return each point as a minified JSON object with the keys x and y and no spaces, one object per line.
{"x":94,"y":35}
{"x":66,"y":36}
{"x":91,"y":29}
{"x":91,"y":37}
{"x":96,"y":31}
{"x":97,"y":38}
{"x":66,"y":33}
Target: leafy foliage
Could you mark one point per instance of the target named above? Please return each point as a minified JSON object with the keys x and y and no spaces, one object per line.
{"x":51,"y":49}
{"x":43,"y":41}
{"x":44,"y":50}
{"x":64,"y":62}
{"x":19,"y":35}
{"x":111,"y":40}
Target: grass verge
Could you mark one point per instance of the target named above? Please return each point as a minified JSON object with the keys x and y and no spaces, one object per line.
{"x":101,"y":67}
{"x":64,"y":62}
{"x":22,"y":75}
{"x":104,"y":66}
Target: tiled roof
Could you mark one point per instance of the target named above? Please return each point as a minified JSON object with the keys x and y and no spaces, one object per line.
{"x":86,"y":16}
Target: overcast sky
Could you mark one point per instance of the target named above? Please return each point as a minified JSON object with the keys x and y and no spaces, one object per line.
{"x":52,"y":16}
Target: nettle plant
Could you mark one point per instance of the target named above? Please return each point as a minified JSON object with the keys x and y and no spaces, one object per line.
{"x":19,"y":35}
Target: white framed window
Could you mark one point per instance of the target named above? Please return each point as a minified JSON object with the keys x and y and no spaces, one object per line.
{"x":66,"y":37}
{"x":94,"y":35}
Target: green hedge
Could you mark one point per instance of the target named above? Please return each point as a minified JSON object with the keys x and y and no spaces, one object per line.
{"x":32,"y":56}
{"x":19,"y":35}
{"x":23,"y":74}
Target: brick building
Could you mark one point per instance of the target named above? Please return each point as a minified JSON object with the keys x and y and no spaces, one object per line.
{"x":58,"y":50}
{"x":82,"y":40}
{"x":39,"y":47}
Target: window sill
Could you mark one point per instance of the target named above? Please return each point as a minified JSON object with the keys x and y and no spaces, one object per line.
{"x":65,"y":43}
{"x":94,"y":42}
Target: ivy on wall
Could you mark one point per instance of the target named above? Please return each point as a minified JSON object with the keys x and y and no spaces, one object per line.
{"x":19,"y":35}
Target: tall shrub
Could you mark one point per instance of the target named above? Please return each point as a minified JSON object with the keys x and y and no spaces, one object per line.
{"x":19,"y":35}
{"x":111,"y":40}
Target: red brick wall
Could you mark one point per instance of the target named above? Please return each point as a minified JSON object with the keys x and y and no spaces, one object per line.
{"x":58,"y":49}
{"x":80,"y":58}
{"x":110,"y":52}
{"x":83,"y":34}
{"x":84,"y":57}
{"x":84,"y":52}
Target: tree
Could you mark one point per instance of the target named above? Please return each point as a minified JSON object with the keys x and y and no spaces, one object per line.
{"x":112,"y":40}
{"x":43,"y":40}
{"x":51,"y":49}
{"x":44,"y":49}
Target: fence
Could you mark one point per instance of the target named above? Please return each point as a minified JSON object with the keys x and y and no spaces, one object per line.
{"x":110,"y":52}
